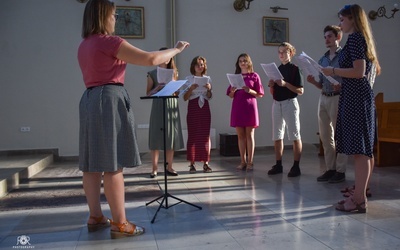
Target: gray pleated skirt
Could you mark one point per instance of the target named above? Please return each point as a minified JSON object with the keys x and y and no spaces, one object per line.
{"x":107,"y":137}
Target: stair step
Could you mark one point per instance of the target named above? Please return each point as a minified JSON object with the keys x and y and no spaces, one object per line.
{"x":15,"y":168}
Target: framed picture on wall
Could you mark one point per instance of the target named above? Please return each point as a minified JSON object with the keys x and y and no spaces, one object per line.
{"x":130,"y":23}
{"x":275,"y":30}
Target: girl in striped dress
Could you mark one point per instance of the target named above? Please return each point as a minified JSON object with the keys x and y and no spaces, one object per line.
{"x":198,"y":115}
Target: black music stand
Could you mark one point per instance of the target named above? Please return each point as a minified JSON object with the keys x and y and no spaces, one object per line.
{"x":165,"y":195}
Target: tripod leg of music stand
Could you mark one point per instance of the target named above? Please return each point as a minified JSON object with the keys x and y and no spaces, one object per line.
{"x":148,"y":203}
{"x":166,"y":194}
{"x":176,"y":198}
{"x":159,"y":207}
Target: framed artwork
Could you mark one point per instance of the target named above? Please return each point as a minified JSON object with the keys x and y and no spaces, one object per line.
{"x":130,"y":23}
{"x":275,"y":30}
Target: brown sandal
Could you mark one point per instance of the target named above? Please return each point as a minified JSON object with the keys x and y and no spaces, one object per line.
{"x":99,"y":223}
{"x":135,"y":231}
{"x":359,"y":207}
{"x":249,"y":167}
{"x":242,"y":167}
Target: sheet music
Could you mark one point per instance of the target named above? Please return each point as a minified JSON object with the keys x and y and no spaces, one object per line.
{"x":318,"y":67}
{"x":236,"y":80}
{"x":164,"y":75}
{"x":306,"y":67}
{"x":272,"y":71}
{"x":170,"y":88}
{"x":201,"y":81}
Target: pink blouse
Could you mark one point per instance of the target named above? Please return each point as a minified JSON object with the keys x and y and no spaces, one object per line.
{"x":98,"y":62}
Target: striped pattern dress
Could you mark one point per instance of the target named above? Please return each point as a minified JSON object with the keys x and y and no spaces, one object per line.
{"x":198,"y":125}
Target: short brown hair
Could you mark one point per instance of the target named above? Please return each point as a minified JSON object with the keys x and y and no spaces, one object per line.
{"x":334,"y":28}
{"x":95,"y":17}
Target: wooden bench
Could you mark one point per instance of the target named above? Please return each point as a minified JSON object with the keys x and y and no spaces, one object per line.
{"x":388,"y":126}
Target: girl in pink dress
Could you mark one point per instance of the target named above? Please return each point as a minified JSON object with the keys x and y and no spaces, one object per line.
{"x":244,"y":112}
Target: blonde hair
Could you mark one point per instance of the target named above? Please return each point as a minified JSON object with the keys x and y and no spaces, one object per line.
{"x":289,"y":47}
{"x":357,"y":14}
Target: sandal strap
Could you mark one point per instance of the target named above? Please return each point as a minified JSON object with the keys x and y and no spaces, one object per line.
{"x":122,"y":226}
{"x":97,"y":219}
{"x":355,"y":203}
{"x":359,"y":206}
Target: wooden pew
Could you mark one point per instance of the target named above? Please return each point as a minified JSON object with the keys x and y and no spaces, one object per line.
{"x":388,"y":126}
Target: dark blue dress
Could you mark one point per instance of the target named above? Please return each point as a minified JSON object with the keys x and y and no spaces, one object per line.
{"x":355,"y":124}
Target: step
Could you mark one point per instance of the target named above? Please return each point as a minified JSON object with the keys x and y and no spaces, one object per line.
{"x":18,"y":167}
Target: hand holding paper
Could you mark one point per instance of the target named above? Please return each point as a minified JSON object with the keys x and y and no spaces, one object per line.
{"x":170,"y":88}
{"x":201,"y":83}
{"x":318,"y":67}
{"x":156,"y":89}
{"x":236,"y":80}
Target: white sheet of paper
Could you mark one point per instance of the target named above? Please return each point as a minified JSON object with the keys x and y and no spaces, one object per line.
{"x":319,"y":67}
{"x":306,"y":67}
{"x":272,"y":71}
{"x":236,"y":80}
{"x":164,"y":75}
{"x":201,"y":81}
{"x":170,"y":88}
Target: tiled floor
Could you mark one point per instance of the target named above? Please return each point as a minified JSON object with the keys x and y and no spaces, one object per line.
{"x":239,"y":211}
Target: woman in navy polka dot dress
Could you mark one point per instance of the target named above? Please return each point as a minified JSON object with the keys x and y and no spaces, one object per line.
{"x":356,"y":120}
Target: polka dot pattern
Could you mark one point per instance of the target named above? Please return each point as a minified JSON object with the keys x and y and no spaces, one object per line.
{"x":356,"y":119}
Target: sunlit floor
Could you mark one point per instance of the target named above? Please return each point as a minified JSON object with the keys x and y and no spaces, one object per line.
{"x":239,"y":210}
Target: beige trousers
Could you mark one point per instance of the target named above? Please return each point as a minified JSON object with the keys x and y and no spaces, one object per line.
{"x":327,"y":116}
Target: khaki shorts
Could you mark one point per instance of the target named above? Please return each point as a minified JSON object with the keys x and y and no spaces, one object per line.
{"x":286,"y":114}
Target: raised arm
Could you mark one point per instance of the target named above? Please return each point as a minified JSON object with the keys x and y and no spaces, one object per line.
{"x":134,"y":55}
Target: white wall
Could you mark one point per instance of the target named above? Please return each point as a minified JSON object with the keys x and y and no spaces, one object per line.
{"x":41,"y":83}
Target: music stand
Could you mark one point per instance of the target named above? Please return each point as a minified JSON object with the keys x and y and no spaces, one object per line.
{"x":165,"y":195}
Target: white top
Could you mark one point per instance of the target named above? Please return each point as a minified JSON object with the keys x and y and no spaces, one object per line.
{"x":200,"y":91}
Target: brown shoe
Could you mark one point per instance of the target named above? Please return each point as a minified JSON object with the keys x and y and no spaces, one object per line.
{"x":206,"y":168}
{"x":192,"y":169}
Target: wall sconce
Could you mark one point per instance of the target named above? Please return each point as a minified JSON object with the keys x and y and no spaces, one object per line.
{"x":381,"y":12}
{"x":240,"y":5}
{"x":276,"y":8}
